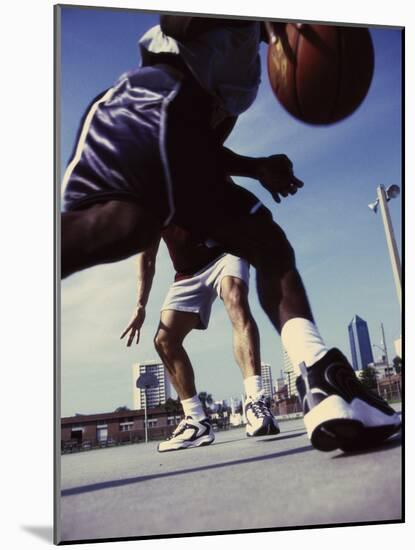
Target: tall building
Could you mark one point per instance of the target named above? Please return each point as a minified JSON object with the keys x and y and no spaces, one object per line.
{"x":267,"y":379}
{"x":156,"y":396}
{"x":360,"y":346}
{"x":289,"y":374}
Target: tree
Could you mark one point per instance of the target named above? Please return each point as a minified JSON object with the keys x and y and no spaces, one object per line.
{"x":173,"y":406}
{"x":369,"y":378}
{"x":123,"y":408}
{"x":397,"y":364}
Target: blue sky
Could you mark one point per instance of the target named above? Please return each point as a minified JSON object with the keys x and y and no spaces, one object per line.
{"x":340,"y":244}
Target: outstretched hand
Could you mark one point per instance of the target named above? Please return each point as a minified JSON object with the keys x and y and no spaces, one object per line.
{"x":275,"y":173}
{"x":134,"y":327}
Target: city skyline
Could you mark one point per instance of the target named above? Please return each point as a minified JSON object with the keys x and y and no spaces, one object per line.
{"x":286,"y":369}
{"x":340,"y":246}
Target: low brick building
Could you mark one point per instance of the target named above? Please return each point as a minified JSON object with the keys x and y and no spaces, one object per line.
{"x":287,"y":405}
{"x":81,"y":432}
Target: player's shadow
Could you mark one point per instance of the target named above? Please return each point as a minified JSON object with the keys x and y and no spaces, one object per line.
{"x":44,"y":532}
{"x":282,"y":436}
{"x":391,"y":443}
{"x":260,"y":439}
{"x":229,"y":441}
{"x":122,"y":482}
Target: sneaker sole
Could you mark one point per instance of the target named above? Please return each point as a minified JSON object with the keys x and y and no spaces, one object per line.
{"x":201,"y":442}
{"x":269,"y":429}
{"x":336,"y":424}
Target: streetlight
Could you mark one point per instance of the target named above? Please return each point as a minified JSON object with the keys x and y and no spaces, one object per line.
{"x":384,"y":196}
{"x":144,"y":382}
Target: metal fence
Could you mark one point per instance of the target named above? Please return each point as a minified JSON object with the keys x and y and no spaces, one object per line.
{"x":287,"y":411}
{"x":392,"y":395}
{"x":124,"y":438}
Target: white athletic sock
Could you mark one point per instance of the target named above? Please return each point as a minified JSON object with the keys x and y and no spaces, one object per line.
{"x":303,"y":343}
{"x":193,"y":407}
{"x":253,"y":385}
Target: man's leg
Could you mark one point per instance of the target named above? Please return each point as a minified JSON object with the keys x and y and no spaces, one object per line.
{"x":246,"y":346}
{"x":338,"y":411}
{"x":103,"y":233}
{"x":195,"y":430}
{"x":284,"y":299}
{"x":257,"y":238}
{"x":173,"y":328}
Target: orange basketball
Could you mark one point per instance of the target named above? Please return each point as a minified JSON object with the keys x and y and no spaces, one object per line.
{"x":321,"y":73}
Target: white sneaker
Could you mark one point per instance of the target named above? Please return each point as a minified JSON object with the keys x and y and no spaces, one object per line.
{"x":189,"y":433}
{"x":260,"y":420}
{"x":339,"y":412}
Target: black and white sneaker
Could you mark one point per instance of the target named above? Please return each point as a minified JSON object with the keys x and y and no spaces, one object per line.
{"x":339,"y":412}
{"x":259,"y":418}
{"x":189,"y":433}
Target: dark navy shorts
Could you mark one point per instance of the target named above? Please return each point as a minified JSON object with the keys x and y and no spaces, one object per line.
{"x":120,"y":151}
{"x":149,"y":139}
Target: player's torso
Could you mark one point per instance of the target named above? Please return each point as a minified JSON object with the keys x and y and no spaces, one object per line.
{"x":225,"y":61}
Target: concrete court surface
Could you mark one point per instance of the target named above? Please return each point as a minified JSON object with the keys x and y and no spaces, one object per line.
{"x":236,"y":483}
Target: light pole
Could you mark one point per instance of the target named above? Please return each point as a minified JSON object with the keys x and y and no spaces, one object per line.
{"x":383,"y":197}
{"x":146,"y":381}
{"x":385,"y":348}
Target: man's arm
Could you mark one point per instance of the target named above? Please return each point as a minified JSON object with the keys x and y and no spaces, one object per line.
{"x":275,"y":173}
{"x":146,"y":268}
{"x":272,"y":30}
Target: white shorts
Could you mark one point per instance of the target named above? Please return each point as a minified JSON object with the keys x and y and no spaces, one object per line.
{"x":197,"y":293}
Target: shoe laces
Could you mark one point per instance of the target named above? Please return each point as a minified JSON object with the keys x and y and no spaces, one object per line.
{"x":180,"y":428}
{"x":259,"y":405}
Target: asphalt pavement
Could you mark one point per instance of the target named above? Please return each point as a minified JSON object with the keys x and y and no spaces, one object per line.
{"x":237,"y":483}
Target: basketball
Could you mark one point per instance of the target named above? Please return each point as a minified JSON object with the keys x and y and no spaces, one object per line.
{"x":320,"y":73}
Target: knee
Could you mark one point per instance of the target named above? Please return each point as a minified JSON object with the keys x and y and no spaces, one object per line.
{"x":164,"y":344}
{"x":160,"y":342}
{"x":235,"y":299}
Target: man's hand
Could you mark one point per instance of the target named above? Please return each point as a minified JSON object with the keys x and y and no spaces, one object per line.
{"x":134,"y":326}
{"x":275,"y":173}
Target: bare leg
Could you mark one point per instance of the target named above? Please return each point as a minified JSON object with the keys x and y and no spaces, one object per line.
{"x":282,"y":295}
{"x":245,"y":331}
{"x":262,"y":242}
{"x":173,"y":328}
{"x":103,"y":233}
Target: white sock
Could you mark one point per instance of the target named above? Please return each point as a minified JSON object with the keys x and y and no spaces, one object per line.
{"x":253,"y":385}
{"x":193,"y":407}
{"x":303,"y":343}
